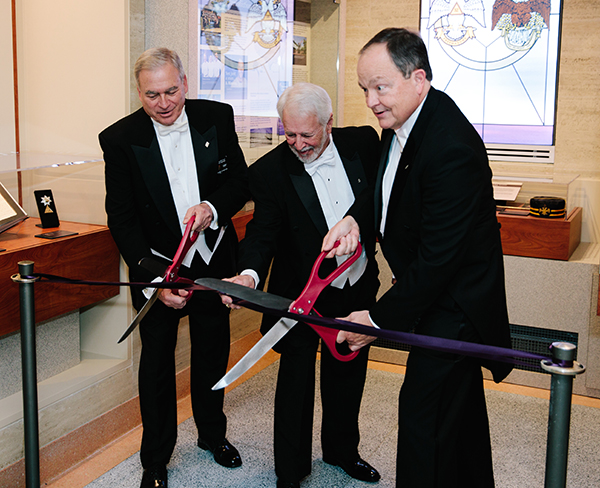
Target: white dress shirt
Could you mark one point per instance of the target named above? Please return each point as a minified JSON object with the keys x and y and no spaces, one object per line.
{"x":336,"y":197}
{"x":394,"y":155}
{"x":175,"y":143}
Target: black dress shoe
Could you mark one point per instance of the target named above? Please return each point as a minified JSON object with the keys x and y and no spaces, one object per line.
{"x":154,"y":478}
{"x":224,"y":453}
{"x":359,"y":469}
{"x":287,"y":484}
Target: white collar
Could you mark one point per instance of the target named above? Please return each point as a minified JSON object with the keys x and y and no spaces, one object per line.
{"x":403,"y":132}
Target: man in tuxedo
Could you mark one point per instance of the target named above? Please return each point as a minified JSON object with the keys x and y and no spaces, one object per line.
{"x":436,"y":221}
{"x":300,"y":190}
{"x":171,"y":160}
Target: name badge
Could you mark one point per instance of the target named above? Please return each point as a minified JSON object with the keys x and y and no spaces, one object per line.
{"x":222,"y":166}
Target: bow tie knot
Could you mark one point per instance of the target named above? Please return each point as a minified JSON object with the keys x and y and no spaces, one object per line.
{"x":180,"y":125}
{"x":326,"y":159}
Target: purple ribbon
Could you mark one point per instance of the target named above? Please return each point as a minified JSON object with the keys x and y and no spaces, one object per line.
{"x":491,"y":353}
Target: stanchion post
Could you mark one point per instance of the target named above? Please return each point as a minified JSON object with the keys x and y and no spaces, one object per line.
{"x":29,"y":371}
{"x":563,"y":369}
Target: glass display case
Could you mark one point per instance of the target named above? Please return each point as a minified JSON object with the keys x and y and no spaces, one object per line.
{"x":524,"y":234}
{"x":77,"y":327}
{"x":77,"y":184}
{"x":561,"y":186}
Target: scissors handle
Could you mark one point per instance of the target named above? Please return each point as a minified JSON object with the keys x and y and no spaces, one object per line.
{"x":187,"y":241}
{"x":315,"y":285}
{"x":305,"y":302}
{"x":329,"y":337}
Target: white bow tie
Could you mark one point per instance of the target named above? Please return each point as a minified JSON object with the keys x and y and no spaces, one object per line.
{"x":180,"y":125}
{"x":326,"y":159}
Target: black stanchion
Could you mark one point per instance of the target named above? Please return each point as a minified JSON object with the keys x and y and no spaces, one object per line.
{"x":563,"y":369}
{"x":29,"y":365}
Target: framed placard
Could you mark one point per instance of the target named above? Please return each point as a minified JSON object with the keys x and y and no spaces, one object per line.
{"x":46,"y":208}
{"x":11,"y":212}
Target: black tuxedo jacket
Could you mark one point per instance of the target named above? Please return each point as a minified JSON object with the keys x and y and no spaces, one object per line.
{"x":140,"y":207}
{"x":289,"y":225}
{"x":442,"y":238}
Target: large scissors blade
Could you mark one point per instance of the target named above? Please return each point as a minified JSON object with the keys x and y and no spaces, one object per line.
{"x":281,"y":328}
{"x":257,"y":297}
{"x":141,"y":314}
{"x":170,"y":275}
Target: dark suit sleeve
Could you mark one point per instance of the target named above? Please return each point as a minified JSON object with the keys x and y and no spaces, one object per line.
{"x":123,"y":219}
{"x":264,"y":230}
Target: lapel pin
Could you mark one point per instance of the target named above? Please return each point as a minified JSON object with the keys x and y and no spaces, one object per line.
{"x":207,"y":144}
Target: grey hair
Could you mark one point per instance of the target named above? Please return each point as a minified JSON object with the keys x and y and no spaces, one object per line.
{"x":155,"y":58}
{"x":306,"y":99}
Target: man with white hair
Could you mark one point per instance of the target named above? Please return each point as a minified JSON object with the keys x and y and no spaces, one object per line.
{"x":301,"y":189}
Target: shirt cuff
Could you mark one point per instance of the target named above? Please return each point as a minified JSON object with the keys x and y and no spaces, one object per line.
{"x":253,"y":274}
{"x":214,"y":225}
{"x":148,"y":291}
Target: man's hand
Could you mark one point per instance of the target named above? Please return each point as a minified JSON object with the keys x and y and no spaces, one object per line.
{"x":244,"y":280}
{"x":203,"y":214}
{"x":347,"y":232}
{"x":356,"y":341}
{"x":172,"y":299}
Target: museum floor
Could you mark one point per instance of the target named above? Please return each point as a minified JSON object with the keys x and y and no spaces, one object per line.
{"x":518,"y":423}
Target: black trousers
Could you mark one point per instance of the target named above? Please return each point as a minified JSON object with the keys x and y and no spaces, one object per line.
{"x":342,"y":385}
{"x":209,"y":337}
{"x":443,"y":431}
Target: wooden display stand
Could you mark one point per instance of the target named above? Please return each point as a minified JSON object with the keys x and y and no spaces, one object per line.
{"x":525,"y":235}
{"x":89,"y":255}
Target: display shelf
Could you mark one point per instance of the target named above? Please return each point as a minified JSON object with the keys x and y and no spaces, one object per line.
{"x":28,"y":161}
{"x":525,"y":235}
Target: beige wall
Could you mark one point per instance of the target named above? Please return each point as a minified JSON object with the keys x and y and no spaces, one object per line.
{"x":363,"y":20}
{"x":73,"y":65}
{"x":7,"y":109}
{"x":324,"y":48}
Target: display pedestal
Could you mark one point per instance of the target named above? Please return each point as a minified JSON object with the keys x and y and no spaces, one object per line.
{"x":534,"y":237}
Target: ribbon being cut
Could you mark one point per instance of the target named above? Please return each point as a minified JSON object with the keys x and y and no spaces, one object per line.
{"x":264,"y":302}
{"x":562,"y":366}
{"x":302,"y":311}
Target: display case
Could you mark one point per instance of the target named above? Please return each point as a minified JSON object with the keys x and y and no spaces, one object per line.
{"x":77,"y":326}
{"x":526,"y":235}
{"x":562,"y":186}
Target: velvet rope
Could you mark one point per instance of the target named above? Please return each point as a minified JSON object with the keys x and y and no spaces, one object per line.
{"x":481,"y":351}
